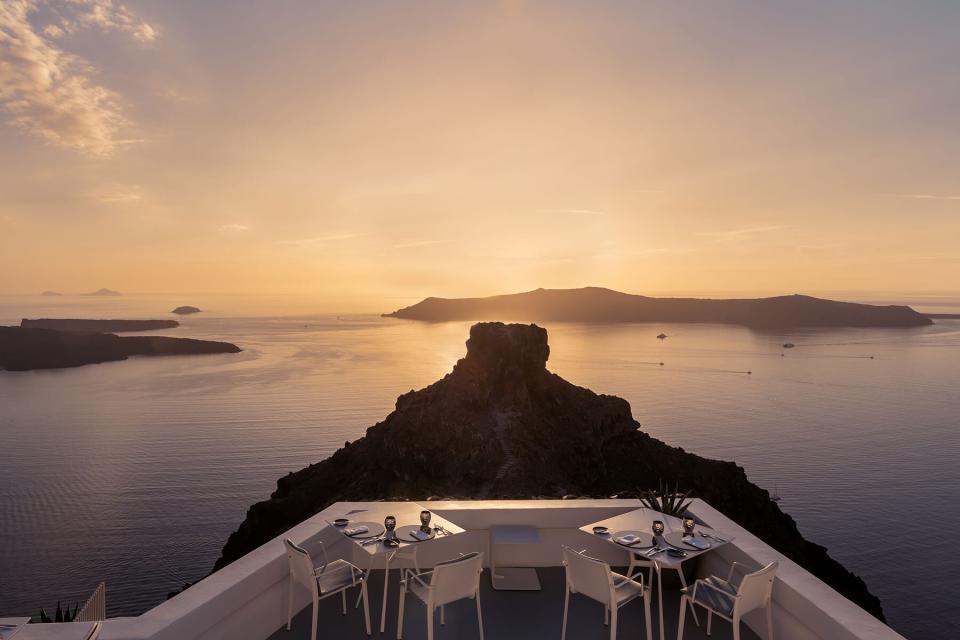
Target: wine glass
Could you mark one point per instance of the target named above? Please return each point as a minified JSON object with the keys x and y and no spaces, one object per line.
{"x":390,"y":523}
{"x":658,"y":528}
{"x":425,"y":521}
{"x":688,"y":524}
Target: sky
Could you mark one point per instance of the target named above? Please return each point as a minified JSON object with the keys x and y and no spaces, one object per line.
{"x":373,"y":150}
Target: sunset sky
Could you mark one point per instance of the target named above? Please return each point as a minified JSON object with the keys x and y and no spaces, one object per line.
{"x":405,"y":149}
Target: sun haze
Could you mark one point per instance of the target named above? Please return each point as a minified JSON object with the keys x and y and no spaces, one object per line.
{"x":383,"y":149}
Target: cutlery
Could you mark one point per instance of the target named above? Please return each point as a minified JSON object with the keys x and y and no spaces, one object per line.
{"x":707,"y":535}
{"x":371,"y":541}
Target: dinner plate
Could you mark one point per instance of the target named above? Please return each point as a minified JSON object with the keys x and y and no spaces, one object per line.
{"x":374,"y":529}
{"x":412,"y":533}
{"x":694,"y":543}
{"x":642,"y":539}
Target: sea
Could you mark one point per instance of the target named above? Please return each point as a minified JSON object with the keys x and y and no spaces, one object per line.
{"x":135,"y":472}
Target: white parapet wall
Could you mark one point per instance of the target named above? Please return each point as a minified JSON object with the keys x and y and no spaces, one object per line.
{"x":246,"y":600}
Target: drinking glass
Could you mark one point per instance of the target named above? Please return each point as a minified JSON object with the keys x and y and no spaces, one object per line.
{"x":658,"y":528}
{"x":390,"y":523}
{"x":688,"y":524}
{"x":425,"y":521}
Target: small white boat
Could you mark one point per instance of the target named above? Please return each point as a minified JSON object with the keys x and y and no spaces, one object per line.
{"x":662,"y":336}
{"x":788,"y":345}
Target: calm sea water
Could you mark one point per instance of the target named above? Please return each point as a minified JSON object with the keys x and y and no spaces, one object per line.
{"x":136,"y":472}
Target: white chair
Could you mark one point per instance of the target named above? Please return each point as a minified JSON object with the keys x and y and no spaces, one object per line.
{"x":447,"y":582}
{"x":324,"y":581}
{"x":730,"y":602}
{"x":594,"y":579}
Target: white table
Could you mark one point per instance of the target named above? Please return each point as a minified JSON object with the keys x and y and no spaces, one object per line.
{"x":405,"y":513}
{"x":642,"y":520}
{"x":512,"y":578}
{"x":57,"y":631}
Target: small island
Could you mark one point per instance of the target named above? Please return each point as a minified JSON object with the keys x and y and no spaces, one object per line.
{"x":51,"y":294}
{"x":97,"y":326}
{"x":24,"y":349}
{"x":185,"y":310}
{"x":103,"y":292}
{"x":599,"y":305}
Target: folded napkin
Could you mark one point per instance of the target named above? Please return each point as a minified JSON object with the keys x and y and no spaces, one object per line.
{"x":352,"y":531}
{"x":699,"y":543}
{"x":628,"y":539}
{"x":420,"y":535}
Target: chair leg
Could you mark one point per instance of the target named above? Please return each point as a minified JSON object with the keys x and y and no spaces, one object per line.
{"x":613,"y":623}
{"x":709,"y":621}
{"x":430,"y":624}
{"x":683,"y":616}
{"x":769,"y":621}
{"x":693,"y":610}
{"x":313,"y":626}
{"x":646,"y":614}
{"x":343,"y":599}
{"x":736,"y":629}
{"x":479,"y":616}
{"x":443,"y":620}
{"x":403,"y":598}
{"x":289,"y":602}
{"x":566,"y":605}
{"x":366,"y":604}
{"x":606,"y":615}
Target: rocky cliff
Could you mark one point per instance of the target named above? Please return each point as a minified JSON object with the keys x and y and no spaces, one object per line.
{"x":596,"y":304}
{"x":97,"y":326}
{"x":500,"y":425}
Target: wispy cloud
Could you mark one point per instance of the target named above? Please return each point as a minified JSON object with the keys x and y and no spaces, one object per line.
{"x":234,"y":228}
{"x":924,"y":196}
{"x":319,"y":240}
{"x":51,"y":93}
{"x":120,"y":195}
{"x":742,"y":233}
{"x":573,"y":212}
{"x":417,"y":243}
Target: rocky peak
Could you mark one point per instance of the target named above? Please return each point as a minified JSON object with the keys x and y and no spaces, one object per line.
{"x":505,"y":353}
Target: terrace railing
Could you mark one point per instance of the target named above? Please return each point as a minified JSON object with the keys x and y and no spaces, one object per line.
{"x":95,"y":608}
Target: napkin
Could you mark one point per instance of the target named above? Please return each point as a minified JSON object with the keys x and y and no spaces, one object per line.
{"x":628,"y":539}
{"x":352,"y":531}
{"x":420,"y":535}
{"x":699,"y":543}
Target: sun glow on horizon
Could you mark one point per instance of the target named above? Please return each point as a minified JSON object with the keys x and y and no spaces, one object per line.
{"x":379,"y":152}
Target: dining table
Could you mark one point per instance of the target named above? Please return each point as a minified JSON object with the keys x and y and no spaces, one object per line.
{"x":407,"y":516}
{"x":656,"y":549}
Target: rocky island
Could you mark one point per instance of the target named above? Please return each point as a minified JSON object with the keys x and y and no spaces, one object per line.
{"x":185,"y":310}
{"x":103,"y":292}
{"x":599,"y":305}
{"x":97,"y":326}
{"x":500,"y":425}
{"x":23,"y":349}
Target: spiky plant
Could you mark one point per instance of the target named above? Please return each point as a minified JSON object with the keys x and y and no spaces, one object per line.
{"x":671,"y":503}
{"x":62,"y":615}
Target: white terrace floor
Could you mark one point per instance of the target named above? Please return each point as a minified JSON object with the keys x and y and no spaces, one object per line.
{"x":507,"y":615}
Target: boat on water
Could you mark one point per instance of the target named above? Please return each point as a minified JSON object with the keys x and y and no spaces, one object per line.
{"x":662,"y":336}
{"x":788,"y":345}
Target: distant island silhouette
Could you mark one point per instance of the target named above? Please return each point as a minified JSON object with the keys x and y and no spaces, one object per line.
{"x":23,"y":349}
{"x":97,"y":326}
{"x":51,"y":293}
{"x":103,"y":292}
{"x":185,"y":310}
{"x":600,"y":305}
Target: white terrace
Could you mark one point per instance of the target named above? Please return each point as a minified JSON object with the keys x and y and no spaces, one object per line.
{"x":248,"y":600}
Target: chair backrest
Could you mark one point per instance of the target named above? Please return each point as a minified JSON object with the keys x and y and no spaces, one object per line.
{"x":588,"y":576}
{"x":301,"y":564}
{"x":756,"y":588}
{"x":456,"y":579}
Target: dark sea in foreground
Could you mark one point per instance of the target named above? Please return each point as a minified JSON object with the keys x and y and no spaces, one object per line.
{"x":136,"y":472}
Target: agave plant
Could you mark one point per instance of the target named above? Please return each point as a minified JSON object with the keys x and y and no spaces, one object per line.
{"x":671,"y":503}
{"x":62,"y":615}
